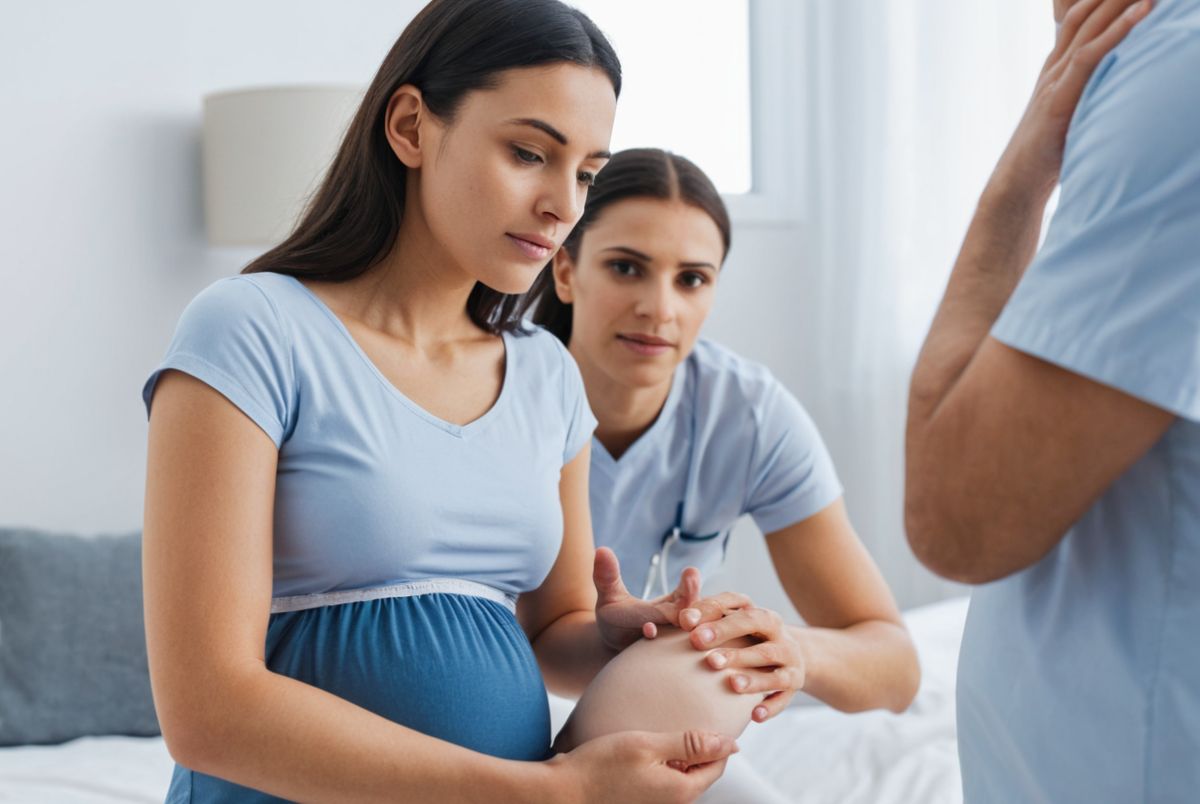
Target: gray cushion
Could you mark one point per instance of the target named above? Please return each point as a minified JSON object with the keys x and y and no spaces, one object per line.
{"x":72,"y":643}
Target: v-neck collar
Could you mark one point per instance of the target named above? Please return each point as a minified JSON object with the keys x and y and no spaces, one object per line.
{"x":646,"y":441}
{"x":458,"y":430}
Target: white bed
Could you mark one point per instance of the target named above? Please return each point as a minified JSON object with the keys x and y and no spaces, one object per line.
{"x":807,"y":754}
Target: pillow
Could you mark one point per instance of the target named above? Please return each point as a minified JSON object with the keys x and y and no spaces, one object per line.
{"x":72,"y":642}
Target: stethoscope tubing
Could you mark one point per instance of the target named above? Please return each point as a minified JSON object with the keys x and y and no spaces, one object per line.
{"x":658,"y":563}
{"x":657,"y":570}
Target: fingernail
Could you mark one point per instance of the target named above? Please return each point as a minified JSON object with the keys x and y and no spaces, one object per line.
{"x":717,"y":660}
{"x":706,"y":635}
{"x":760,"y":712}
{"x":690,"y":615}
{"x":711,"y":744}
{"x":739,"y":683}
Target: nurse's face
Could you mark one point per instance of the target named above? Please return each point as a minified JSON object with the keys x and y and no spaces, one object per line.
{"x":501,"y":185}
{"x":640,"y":288}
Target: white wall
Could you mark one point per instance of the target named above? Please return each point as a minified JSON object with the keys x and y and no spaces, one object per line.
{"x":103,"y":239}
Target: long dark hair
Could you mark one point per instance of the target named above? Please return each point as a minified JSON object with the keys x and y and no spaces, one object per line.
{"x":451,"y":47}
{"x":633,"y":173}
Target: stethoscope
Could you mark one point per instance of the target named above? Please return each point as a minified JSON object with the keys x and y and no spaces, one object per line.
{"x":657,"y":571}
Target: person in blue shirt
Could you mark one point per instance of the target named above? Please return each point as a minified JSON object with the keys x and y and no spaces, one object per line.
{"x":366,"y":528}
{"x":692,"y":436}
{"x":1054,"y":427}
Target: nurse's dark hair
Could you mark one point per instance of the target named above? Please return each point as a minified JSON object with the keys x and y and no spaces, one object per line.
{"x":451,"y":48}
{"x":630,"y":174}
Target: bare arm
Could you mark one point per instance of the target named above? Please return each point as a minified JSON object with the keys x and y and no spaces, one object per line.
{"x":207,"y":571}
{"x":857,"y":652}
{"x":559,"y":616}
{"x":582,"y":615}
{"x":1005,"y":451}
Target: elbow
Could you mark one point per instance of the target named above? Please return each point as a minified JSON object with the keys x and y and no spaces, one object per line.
{"x":946,"y":545}
{"x":974,"y":543}
{"x":943,"y":532}
{"x":904,"y":672}
{"x":198,"y":735}
{"x":194,"y":737}
{"x":908,"y":683}
{"x":187,"y":742}
{"x":893,"y":679}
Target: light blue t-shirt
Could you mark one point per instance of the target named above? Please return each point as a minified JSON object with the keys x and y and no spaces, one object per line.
{"x":1079,"y":678}
{"x":730,"y":440}
{"x":371,"y":489}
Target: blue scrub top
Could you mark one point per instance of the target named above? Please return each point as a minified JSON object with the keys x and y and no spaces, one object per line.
{"x":730,"y":440}
{"x":1079,"y":677}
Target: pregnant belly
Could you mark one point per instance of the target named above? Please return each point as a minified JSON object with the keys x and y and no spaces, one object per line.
{"x":451,"y":666}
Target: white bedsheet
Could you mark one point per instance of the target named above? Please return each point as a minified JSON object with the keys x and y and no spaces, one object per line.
{"x":91,"y":770}
{"x":808,"y":754}
{"x":815,"y":755}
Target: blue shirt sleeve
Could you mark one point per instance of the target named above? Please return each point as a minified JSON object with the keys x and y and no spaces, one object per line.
{"x":1114,"y":294}
{"x":577,"y":414}
{"x":792,"y":475}
{"x":230,"y":337}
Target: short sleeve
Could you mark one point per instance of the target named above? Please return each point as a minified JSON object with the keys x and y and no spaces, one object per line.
{"x":230,"y":337}
{"x":791,"y":472}
{"x":1114,"y":293}
{"x":577,"y":414}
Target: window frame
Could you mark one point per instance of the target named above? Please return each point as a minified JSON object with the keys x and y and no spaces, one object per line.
{"x":778,"y":97}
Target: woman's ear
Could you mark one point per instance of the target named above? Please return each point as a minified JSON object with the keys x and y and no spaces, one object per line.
{"x":563,"y":268}
{"x":402,"y":123}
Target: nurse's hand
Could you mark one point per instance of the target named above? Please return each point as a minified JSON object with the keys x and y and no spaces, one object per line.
{"x":1090,"y":29}
{"x":623,"y":618}
{"x":776,"y":664}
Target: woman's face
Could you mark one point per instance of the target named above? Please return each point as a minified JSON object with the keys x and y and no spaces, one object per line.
{"x":640,"y":289}
{"x":502,"y":185}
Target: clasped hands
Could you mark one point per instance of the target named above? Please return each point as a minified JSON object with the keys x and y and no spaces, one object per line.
{"x":774,"y":664}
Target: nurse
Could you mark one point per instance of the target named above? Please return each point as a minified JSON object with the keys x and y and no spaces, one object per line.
{"x":691,"y":437}
{"x":366,"y":531}
{"x":1073,"y":371}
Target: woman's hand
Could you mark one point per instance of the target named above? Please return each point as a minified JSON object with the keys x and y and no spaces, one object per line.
{"x":774,"y":665}
{"x":1031,"y":163}
{"x":623,"y":619}
{"x":636,"y":766}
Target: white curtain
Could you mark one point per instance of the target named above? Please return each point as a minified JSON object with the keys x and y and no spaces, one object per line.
{"x":910,"y":103}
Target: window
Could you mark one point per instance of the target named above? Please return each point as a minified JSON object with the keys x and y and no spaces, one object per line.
{"x":715,"y":81}
{"x":687,"y":80}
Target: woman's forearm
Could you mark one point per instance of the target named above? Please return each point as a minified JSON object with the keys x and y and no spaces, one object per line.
{"x":1003,"y":236}
{"x":869,"y":665}
{"x":570,"y":653}
{"x":999,"y":244}
{"x":273,"y":733}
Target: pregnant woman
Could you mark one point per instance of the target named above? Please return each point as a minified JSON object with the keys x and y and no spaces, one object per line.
{"x":366,"y":514}
{"x":692,"y":436}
